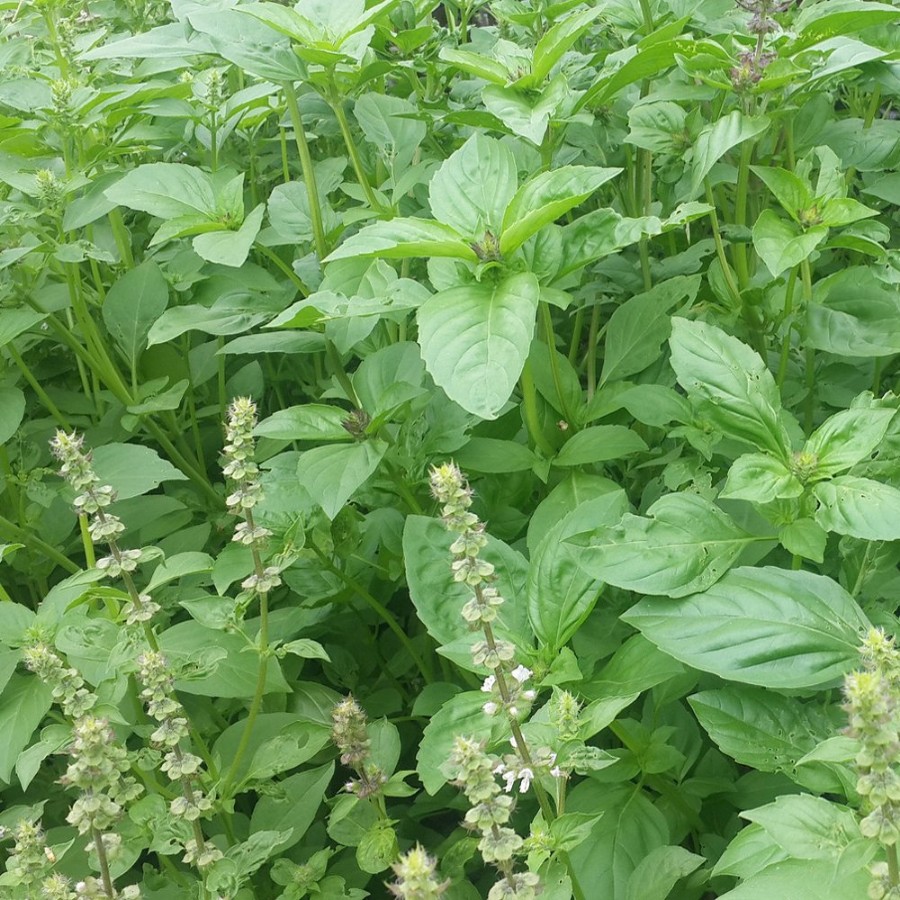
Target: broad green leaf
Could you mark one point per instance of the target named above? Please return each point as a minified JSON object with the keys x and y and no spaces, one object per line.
{"x":132,"y":305}
{"x":249,"y":44}
{"x":847,"y":438}
{"x":789,"y":189}
{"x":495,"y":456}
{"x":832,"y":18}
{"x":773,"y":627}
{"x":289,"y":212}
{"x":439,"y":599}
{"x":781,"y":244}
{"x":634,"y":668}
{"x":402,"y":238}
{"x":600,"y":233}
{"x":166,"y":190}
{"x":599,"y":443}
{"x":161,"y":42}
{"x":132,"y":469}
{"x":333,"y":474}
{"x":639,"y":327}
{"x":629,"y":830}
{"x":473,"y":187}
{"x":475,"y":340}
{"x":854,"y":314}
{"x":521,"y":114}
{"x":760,"y":479}
{"x":659,"y":871}
{"x":859,"y":507}
{"x":216,"y":663}
{"x":791,"y":880}
{"x":9,"y":659}
{"x":748,"y":853}
{"x":476,"y":64}
{"x":716,"y":139}
{"x":23,"y":704}
{"x":760,"y":728}
{"x":178,"y":566}
{"x":310,"y":422}
{"x":387,"y":122}
{"x":545,"y":198}
{"x":14,"y":322}
{"x":460,"y":715}
{"x":809,"y":827}
{"x":12,"y":409}
{"x":804,"y":537}
{"x":560,"y":593}
{"x":844,"y":211}
{"x":556,"y":40}
{"x":683,"y":545}
{"x":230,"y":248}
{"x":741,"y":394}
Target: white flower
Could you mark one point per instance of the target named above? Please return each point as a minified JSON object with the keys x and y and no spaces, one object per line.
{"x":525,"y":774}
{"x":489,"y":683}
{"x":490,"y":708}
{"x":521,"y":674}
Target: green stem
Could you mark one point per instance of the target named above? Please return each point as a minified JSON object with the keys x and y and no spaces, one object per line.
{"x":720,"y":249}
{"x":530,"y":411}
{"x":86,"y":541}
{"x":785,"y":318}
{"x":382,"y":611}
{"x":890,"y":851}
{"x":100,"y":850}
{"x":809,"y":408}
{"x":306,"y":165}
{"x":279,"y":263}
{"x":593,"y":337}
{"x":739,"y":250}
{"x":263,"y":648}
{"x":27,"y":374}
{"x":337,"y":366}
{"x":34,"y":543}
{"x":337,"y":104}
{"x":550,"y":336}
{"x":121,"y":236}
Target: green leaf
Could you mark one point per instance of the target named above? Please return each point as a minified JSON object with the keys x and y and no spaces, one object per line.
{"x":475,"y":340}
{"x":716,"y":139}
{"x":556,"y":40}
{"x":560,"y":593}
{"x":760,"y":479}
{"x":522,"y":115}
{"x":225,"y":666}
{"x":166,"y":190}
{"x":748,"y":853}
{"x":790,"y":190}
{"x":740,"y":393}
{"x":131,"y":307}
{"x":460,"y":715}
{"x":387,"y":123}
{"x":847,"y":438}
{"x":630,"y":829}
{"x":599,"y":444}
{"x":230,"y":248}
{"x":859,"y":507}
{"x":132,"y":469}
{"x":178,"y":566}
{"x":639,"y":327}
{"x":495,"y":456}
{"x":684,"y":545}
{"x":811,"y":828}
{"x":402,"y":238}
{"x":804,"y":537}
{"x":659,"y":871}
{"x":475,"y":64}
{"x":249,"y":44}
{"x":309,"y":422}
{"x":791,"y":880}
{"x":378,"y":848}
{"x":546,"y":197}
{"x":473,"y":187}
{"x":12,"y":410}
{"x":23,"y":704}
{"x":439,"y":599}
{"x":333,"y":474}
{"x":854,"y":314}
{"x":291,"y":804}
{"x":772,"y":627}
{"x":14,"y":322}
{"x":760,"y":728}
{"x":831,"y":18}
{"x":781,"y":244}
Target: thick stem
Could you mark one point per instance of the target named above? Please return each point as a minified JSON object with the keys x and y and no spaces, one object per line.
{"x":100,"y":850}
{"x":530,"y":410}
{"x":306,"y":164}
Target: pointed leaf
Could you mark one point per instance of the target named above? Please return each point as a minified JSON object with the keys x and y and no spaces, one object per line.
{"x":402,"y":238}
{"x":475,"y":340}
{"x":859,"y":507}
{"x":773,"y":627}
